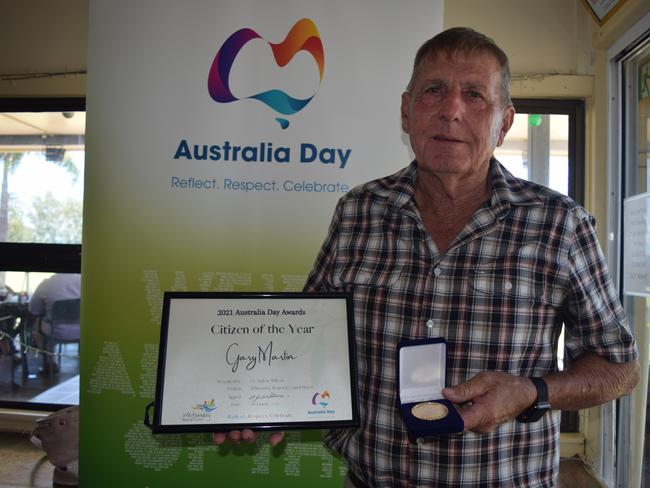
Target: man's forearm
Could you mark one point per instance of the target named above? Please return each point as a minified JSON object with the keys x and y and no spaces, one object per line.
{"x":591,"y":380}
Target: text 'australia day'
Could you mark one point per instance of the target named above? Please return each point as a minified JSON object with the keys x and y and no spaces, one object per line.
{"x":263,"y":152}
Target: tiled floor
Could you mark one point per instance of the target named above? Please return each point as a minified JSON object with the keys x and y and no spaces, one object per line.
{"x":23,"y":464}
{"x":38,"y":383}
{"x":574,"y":473}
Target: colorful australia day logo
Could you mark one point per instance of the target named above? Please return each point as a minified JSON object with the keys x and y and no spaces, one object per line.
{"x":303,"y":36}
{"x":321,"y":399}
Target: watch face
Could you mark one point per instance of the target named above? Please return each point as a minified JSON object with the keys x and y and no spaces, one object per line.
{"x":429,"y":411}
{"x":533,"y":414}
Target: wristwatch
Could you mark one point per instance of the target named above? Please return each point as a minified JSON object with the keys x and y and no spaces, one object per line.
{"x":541,"y":405}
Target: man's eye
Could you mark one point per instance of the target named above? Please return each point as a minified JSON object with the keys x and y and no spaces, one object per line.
{"x":432,"y":89}
{"x":474,"y":94}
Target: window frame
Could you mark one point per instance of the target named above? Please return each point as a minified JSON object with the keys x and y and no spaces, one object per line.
{"x":37,"y":257}
{"x":575,"y":109}
{"x":620,"y":419}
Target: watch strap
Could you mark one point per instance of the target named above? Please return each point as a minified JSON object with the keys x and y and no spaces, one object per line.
{"x":541,"y":404}
{"x":542,"y":389}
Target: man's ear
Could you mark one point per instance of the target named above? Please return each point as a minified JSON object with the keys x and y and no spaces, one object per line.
{"x":404,"y":111}
{"x":507,"y":120}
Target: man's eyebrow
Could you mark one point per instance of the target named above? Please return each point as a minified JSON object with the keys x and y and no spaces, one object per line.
{"x":474,"y":85}
{"x":430,"y":81}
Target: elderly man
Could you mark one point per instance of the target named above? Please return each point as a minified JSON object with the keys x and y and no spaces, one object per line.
{"x":454,"y":246}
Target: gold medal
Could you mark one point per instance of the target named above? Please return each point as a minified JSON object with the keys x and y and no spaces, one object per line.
{"x":429,"y":411}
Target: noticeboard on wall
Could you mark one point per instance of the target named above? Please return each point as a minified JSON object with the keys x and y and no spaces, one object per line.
{"x":636,"y":245}
{"x":602,"y":10}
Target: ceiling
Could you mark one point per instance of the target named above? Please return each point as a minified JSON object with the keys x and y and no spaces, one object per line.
{"x":21,"y":131}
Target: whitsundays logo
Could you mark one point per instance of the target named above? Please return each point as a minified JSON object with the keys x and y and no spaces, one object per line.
{"x":206,"y":406}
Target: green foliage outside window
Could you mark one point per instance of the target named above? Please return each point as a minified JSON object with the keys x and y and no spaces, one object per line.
{"x":46,"y":219}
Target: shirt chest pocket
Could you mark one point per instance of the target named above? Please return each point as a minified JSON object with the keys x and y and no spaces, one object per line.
{"x":532,"y":274}
{"x":369,"y":274}
{"x":385,"y":262}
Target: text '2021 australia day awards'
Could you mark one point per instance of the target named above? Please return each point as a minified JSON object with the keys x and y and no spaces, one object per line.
{"x":255,"y":360}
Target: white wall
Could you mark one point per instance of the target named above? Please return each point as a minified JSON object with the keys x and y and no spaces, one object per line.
{"x":547,"y":37}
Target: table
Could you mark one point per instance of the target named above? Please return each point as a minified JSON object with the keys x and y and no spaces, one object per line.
{"x":13,"y":322}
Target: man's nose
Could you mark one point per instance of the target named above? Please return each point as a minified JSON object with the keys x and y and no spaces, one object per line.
{"x":451,"y":105}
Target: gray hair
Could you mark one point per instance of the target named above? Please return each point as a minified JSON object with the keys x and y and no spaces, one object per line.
{"x":464,"y":40}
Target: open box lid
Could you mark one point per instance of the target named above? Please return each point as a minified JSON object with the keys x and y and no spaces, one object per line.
{"x":422,"y":370}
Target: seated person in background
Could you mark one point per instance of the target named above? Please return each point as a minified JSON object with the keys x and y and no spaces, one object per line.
{"x":63,"y":286}
{"x":5,"y":291}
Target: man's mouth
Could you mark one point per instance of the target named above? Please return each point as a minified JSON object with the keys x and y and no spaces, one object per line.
{"x":445,"y":139}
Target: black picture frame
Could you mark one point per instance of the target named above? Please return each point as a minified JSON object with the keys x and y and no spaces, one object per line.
{"x":158,"y":425}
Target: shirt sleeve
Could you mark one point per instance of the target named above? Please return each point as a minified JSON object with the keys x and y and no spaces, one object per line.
{"x":594,"y":317}
{"x":320,"y":277}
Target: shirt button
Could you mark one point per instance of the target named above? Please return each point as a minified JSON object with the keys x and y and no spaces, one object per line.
{"x":508,"y":285}
{"x":437,"y":271}
{"x":429,"y":323}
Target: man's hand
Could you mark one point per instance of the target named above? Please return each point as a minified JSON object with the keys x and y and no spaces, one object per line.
{"x":245,"y":435}
{"x":491,"y":398}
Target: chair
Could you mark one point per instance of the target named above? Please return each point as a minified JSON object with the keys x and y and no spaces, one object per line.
{"x":64,"y":321}
{"x":7,"y":350}
{"x":12,"y":326}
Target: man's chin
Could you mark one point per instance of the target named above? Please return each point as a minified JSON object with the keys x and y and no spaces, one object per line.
{"x":444,"y":165}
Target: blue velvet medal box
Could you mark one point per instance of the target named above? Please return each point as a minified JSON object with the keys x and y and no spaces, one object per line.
{"x":422,"y":368}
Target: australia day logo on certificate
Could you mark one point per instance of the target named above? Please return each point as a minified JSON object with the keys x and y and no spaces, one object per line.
{"x":200,"y":411}
{"x":320,"y":404}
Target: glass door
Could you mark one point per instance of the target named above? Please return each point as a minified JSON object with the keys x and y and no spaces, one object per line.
{"x":635,"y":145}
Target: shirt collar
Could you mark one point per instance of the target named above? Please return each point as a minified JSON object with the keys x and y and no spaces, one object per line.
{"x":398,"y":188}
{"x":507,"y":190}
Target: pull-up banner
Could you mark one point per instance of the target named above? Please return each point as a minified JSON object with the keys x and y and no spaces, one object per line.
{"x":220,"y":136}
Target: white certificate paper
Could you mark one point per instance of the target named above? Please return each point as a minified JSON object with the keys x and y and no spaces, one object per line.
{"x":272,"y":360}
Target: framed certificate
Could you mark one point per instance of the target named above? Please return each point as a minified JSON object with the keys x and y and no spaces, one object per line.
{"x":255,"y":360}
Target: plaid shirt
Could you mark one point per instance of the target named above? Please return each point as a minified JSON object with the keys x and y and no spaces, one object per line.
{"x":527,"y":262}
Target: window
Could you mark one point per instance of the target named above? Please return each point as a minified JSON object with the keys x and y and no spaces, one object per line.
{"x":546,"y":145}
{"x":42,"y":160}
